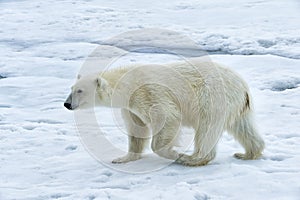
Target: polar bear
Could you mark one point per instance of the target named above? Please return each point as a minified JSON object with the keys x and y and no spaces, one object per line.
{"x":157,"y":100}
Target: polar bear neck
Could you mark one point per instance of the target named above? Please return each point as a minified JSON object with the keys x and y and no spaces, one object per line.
{"x":114,"y":75}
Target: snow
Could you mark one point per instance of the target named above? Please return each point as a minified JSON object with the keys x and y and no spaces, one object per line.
{"x":43,"y":45}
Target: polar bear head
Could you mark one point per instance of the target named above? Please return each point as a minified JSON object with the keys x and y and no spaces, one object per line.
{"x":87,"y":92}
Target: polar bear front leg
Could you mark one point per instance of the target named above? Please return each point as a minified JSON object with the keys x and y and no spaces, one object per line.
{"x":138,"y":135}
{"x":163,"y":142}
{"x":136,"y":147}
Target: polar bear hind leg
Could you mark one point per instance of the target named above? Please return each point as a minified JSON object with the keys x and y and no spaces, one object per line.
{"x":195,"y":160}
{"x":205,"y":143}
{"x":244,"y":131}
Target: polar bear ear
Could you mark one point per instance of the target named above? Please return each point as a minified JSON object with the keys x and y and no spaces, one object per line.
{"x":102,"y":83}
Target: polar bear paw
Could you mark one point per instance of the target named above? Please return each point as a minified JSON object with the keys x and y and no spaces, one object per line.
{"x":247,"y":156}
{"x":129,"y":157}
{"x":191,"y":160}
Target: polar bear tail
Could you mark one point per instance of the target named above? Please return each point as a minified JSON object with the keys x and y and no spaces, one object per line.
{"x":247,"y":103}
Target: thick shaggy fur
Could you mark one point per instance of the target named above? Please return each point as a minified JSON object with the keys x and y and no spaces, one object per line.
{"x":203,"y":95}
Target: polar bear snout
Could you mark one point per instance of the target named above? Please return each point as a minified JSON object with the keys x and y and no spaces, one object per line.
{"x":68,"y":102}
{"x":68,"y":106}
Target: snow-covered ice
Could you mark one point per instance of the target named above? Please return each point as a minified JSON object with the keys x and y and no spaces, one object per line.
{"x":43,"y":45}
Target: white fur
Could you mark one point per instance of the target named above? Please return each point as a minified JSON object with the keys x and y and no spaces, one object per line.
{"x":203,"y":95}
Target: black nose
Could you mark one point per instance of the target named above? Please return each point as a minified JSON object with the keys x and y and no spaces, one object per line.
{"x":68,"y":106}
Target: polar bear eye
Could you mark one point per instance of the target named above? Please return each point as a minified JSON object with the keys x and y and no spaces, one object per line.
{"x":79,"y":91}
